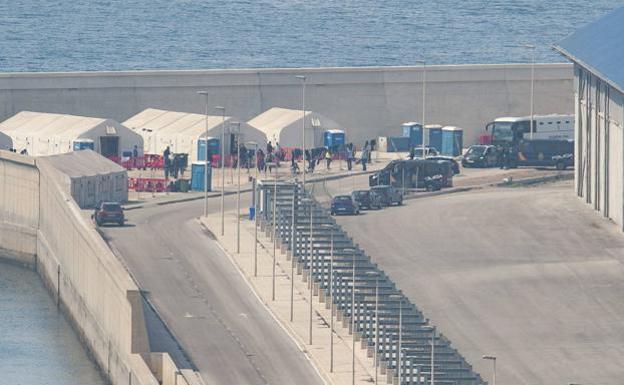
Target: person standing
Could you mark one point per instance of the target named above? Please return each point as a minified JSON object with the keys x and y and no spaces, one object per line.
{"x":365,"y":157}
{"x":328,"y":158}
{"x":350,"y":156}
{"x":166,"y":164}
{"x":135,"y":156}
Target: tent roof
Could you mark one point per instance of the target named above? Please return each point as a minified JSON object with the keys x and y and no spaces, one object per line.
{"x":173,"y":122}
{"x":29,"y":123}
{"x":274,"y":120}
{"x":83,"y":163}
{"x":599,"y":47}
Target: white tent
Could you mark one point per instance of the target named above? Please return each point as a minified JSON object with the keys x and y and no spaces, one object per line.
{"x":284,"y":126}
{"x":89,"y":177}
{"x":6,"y":143}
{"x":42,"y":133}
{"x":181,"y":130}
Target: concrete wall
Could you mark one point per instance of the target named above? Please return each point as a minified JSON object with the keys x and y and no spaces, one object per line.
{"x":19,"y":200}
{"x":88,"y":282}
{"x":368,"y":101}
{"x":599,"y":157}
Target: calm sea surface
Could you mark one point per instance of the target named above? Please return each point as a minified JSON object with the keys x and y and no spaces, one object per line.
{"x":37,"y":345}
{"x":63,"y":35}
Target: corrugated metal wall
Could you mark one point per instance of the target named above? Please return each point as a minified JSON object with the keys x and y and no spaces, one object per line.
{"x":599,"y":153}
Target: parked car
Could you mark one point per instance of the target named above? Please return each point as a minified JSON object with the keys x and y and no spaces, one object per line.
{"x":433,"y":183}
{"x":563,"y":161}
{"x":453,"y":162}
{"x":481,"y":156}
{"x":109,"y":212}
{"x":388,"y":195}
{"x":429,"y":152}
{"x":366,"y":199}
{"x":344,"y":204}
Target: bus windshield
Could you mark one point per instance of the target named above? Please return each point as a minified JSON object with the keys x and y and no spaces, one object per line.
{"x":502,"y":132}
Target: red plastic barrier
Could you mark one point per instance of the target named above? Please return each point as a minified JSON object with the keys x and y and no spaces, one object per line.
{"x":147,"y":184}
{"x":485,"y":139}
{"x":154,"y":161}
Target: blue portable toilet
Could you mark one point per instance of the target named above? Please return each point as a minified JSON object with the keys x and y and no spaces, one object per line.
{"x":414,"y":131}
{"x":213,"y":147}
{"x":434,"y":136}
{"x":83,"y":144}
{"x":334,"y":139}
{"x":197,"y":176}
{"x":452,"y":140}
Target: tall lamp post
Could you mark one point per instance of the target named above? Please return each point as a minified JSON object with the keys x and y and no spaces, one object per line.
{"x":376,"y":349}
{"x":424,"y":102}
{"x":274,"y":220}
{"x":222,"y":109}
{"x":292,"y":251}
{"x":238,"y":188}
{"x":532,"y":101}
{"x":310,"y":201}
{"x":331,"y":297}
{"x":493,"y":359}
{"x":303,"y":87}
{"x":353,"y":320}
{"x":256,"y":200}
{"x":205,"y":94}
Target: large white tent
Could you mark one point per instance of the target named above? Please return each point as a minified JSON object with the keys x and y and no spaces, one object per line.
{"x":42,"y":133}
{"x":182,"y":130}
{"x":284,"y":126}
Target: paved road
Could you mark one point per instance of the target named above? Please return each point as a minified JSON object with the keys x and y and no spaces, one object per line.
{"x":530,"y":275}
{"x":223,"y":327}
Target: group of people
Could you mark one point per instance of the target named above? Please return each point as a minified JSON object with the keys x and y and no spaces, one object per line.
{"x":23,"y":152}
{"x":174,"y":164}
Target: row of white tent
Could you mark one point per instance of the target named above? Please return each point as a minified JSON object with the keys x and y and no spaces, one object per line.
{"x":152,"y":130}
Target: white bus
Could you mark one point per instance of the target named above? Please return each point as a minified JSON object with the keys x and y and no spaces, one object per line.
{"x":511,"y":130}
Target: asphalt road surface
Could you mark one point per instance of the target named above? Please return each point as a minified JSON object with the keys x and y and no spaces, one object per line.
{"x":222,"y":326}
{"x":530,"y":275}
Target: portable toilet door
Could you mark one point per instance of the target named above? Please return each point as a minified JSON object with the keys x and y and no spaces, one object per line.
{"x":434,"y":134}
{"x":413,"y":131}
{"x":213,"y":147}
{"x":334,"y":139}
{"x":452,"y":141}
{"x":198,"y":178}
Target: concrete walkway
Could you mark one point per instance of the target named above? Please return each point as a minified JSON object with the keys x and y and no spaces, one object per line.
{"x":319,"y":351}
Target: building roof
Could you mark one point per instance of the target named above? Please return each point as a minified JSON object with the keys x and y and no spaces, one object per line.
{"x":29,"y":123}
{"x":82,"y":163}
{"x":173,"y":122}
{"x":599,"y":47}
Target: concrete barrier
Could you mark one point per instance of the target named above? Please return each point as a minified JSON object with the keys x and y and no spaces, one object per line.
{"x":367,"y":101}
{"x":88,"y":282}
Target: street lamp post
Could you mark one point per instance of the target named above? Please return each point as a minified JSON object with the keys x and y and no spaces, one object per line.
{"x":303,"y":87}
{"x":238,"y":189}
{"x":424,"y":104}
{"x":205,"y":94}
{"x":274,"y":220}
{"x":432,"y":377}
{"x":532,"y":100}
{"x":310,"y":201}
{"x":353,"y":322}
{"x":292,"y":252}
{"x":493,"y":359}
{"x":256,"y":200}
{"x":331,"y":298}
{"x":222,"y":109}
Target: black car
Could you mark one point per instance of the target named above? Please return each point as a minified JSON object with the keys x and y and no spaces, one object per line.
{"x":366,"y":199}
{"x":481,"y":156}
{"x":388,"y":195}
{"x":453,"y":162}
{"x":109,"y":212}
{"x":344,"y":204}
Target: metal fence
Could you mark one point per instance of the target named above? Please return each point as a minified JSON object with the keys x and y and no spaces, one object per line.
{"x":408,"y":348}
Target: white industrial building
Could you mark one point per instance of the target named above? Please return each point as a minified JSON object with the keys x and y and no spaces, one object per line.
{"x":182,"y":130}
{"x":284,"y":126}
{"x":42,"y":133}
{"x":89,"y":177}
{"x":597,"y":51}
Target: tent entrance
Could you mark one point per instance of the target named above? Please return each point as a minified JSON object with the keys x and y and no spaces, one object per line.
{"x":109,"y":146}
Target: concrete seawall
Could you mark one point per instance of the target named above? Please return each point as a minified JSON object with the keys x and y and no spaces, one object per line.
{"x":43,"y":227}
{"x":367,"y":101}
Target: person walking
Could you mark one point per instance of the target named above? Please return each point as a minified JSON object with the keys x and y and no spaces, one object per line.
{"x":328,"y":158}
{"x":365,"y":156}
